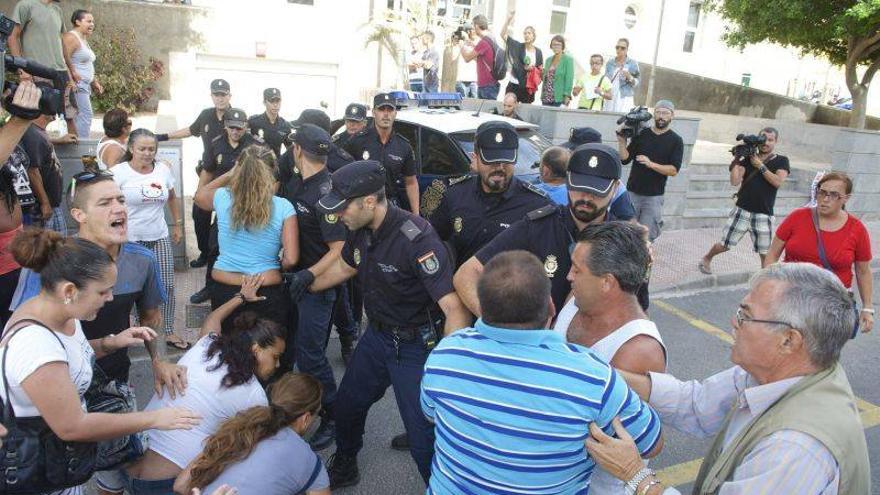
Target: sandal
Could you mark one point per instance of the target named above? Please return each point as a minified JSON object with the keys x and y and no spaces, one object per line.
{"x":704,"y":269}
{"x":179,"y":344}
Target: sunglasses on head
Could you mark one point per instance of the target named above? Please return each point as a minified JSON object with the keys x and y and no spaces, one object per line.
{"x":86,"y":177}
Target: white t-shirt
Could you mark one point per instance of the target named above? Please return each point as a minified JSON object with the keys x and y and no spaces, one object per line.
{"x":205,"y":396}
{"x":145,"y":198}
{"x":33,"y":347}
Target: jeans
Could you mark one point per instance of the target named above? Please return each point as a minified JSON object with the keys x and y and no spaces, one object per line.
{"x":135,"y":486}
{"x":83,"y":121}
{"x":467,"y":89}
{"x":374,"y":366}
{"x":489,"y":92}
{"x":310,"y":340}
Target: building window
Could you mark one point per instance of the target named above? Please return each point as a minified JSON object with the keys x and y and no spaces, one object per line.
{"x":630,"y":17}
{"x":693,"y":23}
{"x":559,"y":16}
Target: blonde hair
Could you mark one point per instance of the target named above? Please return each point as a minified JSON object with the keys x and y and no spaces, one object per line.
{"x":252,"y":188}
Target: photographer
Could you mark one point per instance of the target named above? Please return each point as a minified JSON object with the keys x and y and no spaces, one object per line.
{"x":484,"y":54}
{"x":658,"y":153}
{"x":759,"y":172}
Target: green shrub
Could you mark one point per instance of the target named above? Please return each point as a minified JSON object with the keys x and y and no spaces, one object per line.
{"x":126,"y":75}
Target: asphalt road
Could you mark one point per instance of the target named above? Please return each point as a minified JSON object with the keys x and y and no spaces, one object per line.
{"x":694,"y":352}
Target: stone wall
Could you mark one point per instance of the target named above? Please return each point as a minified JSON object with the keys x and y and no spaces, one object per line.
{"x":858,"y":154}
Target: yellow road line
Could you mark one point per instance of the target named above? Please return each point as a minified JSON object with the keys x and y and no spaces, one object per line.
{"x":686,"y":472}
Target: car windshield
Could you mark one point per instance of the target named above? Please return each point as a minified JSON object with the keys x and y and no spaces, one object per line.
{"x":531,"y":145}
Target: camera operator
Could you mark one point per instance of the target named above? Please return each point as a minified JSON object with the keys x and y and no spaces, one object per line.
{"x":484,"y":55}
{"x":656,"y":154}
{"x":759,"y":174}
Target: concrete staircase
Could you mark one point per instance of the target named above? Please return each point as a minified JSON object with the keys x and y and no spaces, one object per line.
{"x":708,"y":196}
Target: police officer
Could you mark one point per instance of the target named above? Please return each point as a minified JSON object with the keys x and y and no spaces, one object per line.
{"x":476,"y":208}
{"x":218,"y":159}
{"x":269,"y":126}
{"x":392,"y":150}
{"x":407,"y":280}
{"x":321,"y":239}
{"x":550,"y":232}
{"x":582,"y":135}
{"x":208,"y":125}
{"x":355,"y":122}
{"x":337,"y":156}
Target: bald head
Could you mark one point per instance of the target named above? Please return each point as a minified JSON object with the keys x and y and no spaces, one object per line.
{"x":509,"y":105}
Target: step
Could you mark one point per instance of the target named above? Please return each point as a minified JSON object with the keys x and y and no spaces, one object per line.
{"x":781,"y":211}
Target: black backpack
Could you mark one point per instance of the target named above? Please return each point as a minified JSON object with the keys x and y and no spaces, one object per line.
{"x":499,"y":65}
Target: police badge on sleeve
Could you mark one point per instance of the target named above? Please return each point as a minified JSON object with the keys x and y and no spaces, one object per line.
{"x":429,"y":263}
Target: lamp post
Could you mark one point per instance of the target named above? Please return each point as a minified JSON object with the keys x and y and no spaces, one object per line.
{"x":649,"y":96}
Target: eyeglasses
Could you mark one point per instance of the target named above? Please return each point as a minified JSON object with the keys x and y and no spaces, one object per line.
{"x":619,"y":47}
{"x":833,"y":195}
{"x":86,"y":177}
{"x":740,"y":318}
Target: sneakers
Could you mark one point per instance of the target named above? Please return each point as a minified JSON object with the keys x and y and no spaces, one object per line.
{"x":343,"y":470}
{"x":199,"y":262}
{"x":200,"y":296}
{"x":400,"y":442}
{"x":324,"y":435}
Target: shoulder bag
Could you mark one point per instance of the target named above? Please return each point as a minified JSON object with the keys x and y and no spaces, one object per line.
{"x":824,"y":259}
{"x":108,"y":396}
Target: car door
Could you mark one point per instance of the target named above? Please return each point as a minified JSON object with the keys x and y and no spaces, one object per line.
{"x":440,"y":160}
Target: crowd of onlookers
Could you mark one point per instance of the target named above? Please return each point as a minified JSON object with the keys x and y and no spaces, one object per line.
{"x":511,"y":320}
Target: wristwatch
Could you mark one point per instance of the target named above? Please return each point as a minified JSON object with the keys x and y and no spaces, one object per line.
{"x":763,"y":169}
{"x":633,"y":484}
{"x":870,"y":311}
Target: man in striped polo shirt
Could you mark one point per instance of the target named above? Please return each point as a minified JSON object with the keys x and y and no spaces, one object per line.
{"x":512,"y":403}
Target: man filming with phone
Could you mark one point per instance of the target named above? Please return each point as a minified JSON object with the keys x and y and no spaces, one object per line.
{"x":759,"y":172}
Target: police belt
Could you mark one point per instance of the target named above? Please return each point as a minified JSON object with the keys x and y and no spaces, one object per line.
{"x":404,"y":333}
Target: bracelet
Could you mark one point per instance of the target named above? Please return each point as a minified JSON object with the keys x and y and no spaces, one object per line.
{"x":104,"y":343}
{"x":633,"y":484}
{"x":648,"y":486}
{"x":870,"y":311}
{"x":241,"y":296}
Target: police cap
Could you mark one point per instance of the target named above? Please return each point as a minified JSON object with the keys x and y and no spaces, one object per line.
{"x":220,"y":86}
{"x":582,"y":135}
{"x":235,"y":118}
{"x":270,"y":94}
{"x":593,"y":168}
{"x":315,"y":117}
{"x":355,"y":180}
{"x":356,"y":111}
{"x":312,"y":139}
{"x":384,"y":100}
{"x":497,"y":141}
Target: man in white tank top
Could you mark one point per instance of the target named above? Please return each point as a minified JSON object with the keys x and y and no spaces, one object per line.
{"x":609,"y":263}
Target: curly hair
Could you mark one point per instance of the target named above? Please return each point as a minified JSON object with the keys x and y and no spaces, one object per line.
{"x":252,"y":188}
{"x":234,"y":347}
{"x":293,"y":395}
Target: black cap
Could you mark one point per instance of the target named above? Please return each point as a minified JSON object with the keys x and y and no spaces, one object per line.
{"x":270,"y":94}
{"x":593,"y":168}
{"x":497,"y":141}
{"x":219,"y":86}
{"x":582,"y":135}
{"x":315,"y":117}
{"x":355,"y":180}
{"x":235,"y":118}
{"x":356,"y":111}
{"x":312,"y":139}
{"x":384,"y":100}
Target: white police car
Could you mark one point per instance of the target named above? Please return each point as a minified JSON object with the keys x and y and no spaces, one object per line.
{"x":442,"y":138}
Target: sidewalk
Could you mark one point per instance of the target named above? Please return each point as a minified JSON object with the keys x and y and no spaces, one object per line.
{"x":677,"y":253}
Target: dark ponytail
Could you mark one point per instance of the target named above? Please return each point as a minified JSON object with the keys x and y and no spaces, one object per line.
{"x":78,"y":15}
{"x":134,"y":136}
{"x":235,"y":347}
{"x":60,"y":259}
{"x":7,"y":187}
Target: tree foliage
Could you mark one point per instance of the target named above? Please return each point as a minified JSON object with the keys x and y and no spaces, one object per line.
{"x":126,"y":74}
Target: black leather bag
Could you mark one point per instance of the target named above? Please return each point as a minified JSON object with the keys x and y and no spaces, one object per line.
{"x":108,"y":396}
{"x":33,"y":459}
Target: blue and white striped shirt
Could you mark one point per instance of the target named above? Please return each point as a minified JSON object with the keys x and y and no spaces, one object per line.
{"x":512,"y":409}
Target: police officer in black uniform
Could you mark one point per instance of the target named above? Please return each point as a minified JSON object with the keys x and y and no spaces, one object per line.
{"x":476,"y":208}
{"x":355,"y":122}
{"x":407,"y":281}
{"x":321,"y":238}
{"x":392,"y":150}
{"x":337,"y":156}
{"x":218,"y":159}
{"x":208,"y":125}
{"x":269,"y":126}
{"x":550,"y":232}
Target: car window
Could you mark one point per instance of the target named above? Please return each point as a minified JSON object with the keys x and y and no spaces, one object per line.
{"x":440,"y":156}
{"x":531,"y":145}
{"x":410,"y":133}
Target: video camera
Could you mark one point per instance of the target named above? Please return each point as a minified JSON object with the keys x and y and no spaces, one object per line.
{"x":634,"y":122}
{"x":52,"y":97}
{"x":750,"y":146}
{"x":462,"y":32}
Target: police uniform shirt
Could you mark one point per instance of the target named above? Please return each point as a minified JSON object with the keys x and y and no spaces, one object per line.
{"x":272,"y":134}
{"x":549,"y":233}
{"x":468,"y":217}
{"x":396,"y":156}
{"x":315,"y":228}
{"x":342,"y":139}
{"x":337,"y":158}
{"x":403,"y":268}
{"x":220,"y":157}
{"x":207,"y":126}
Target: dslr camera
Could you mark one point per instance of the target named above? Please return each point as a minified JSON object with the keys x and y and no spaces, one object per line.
{"x":52,"y":97}
{"x":750,"y":146}
{"x":634,"y":122}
